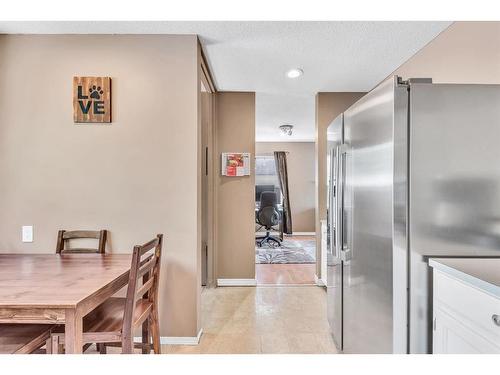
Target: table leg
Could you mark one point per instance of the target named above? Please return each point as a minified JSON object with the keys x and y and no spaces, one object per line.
{"x":73,"y":332}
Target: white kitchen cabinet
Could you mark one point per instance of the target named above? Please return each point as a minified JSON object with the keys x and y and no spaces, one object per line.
{"x":466,"y":310}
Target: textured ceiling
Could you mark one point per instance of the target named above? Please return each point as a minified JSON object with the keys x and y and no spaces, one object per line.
{"x":254,"y":56}
{"x":273,"y":110}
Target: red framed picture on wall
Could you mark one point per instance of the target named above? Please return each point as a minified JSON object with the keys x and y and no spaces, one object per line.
{"x":236,"y":164}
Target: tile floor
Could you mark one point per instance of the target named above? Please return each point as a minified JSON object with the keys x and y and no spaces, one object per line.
{"x":245,"y":320}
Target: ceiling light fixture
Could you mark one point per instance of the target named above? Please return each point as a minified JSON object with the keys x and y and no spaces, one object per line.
{"x":286,"y":129}
{"x":294,"y":73}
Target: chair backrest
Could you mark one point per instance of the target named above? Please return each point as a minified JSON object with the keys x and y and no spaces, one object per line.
{"x":64,"y":236}
{"x":146,"y":260}
{"x":261,"y":188}
{"x":268,"y":214}
{"x":268,"y":198}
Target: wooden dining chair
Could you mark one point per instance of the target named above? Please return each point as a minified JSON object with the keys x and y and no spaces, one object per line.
{"x":23,"y":338}
{"x":63,"y":237}
{"x":114,"y":321}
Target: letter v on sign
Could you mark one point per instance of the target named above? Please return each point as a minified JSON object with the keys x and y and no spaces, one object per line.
{"x":85,"y":108}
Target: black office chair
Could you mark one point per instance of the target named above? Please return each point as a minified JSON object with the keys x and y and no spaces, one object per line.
{"x":268,"y":216}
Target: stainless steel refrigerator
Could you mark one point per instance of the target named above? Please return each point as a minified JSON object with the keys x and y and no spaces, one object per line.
{"x":414,"y":172}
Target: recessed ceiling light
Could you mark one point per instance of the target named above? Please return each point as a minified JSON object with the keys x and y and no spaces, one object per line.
{"x":294,"y":73}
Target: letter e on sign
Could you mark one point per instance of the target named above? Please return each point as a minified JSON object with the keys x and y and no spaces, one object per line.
{"x":92,"y":99}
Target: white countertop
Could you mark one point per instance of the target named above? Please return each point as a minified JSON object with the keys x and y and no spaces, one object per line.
{"x":484,"y":273}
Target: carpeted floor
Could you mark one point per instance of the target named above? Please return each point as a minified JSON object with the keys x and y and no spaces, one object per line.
{"x":291,"y":252}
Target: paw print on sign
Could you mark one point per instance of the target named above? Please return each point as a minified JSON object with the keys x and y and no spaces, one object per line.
{"x":96,"y":92}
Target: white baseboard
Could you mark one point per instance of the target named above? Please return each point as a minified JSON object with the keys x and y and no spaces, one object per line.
{"x":318,"y":281}
{"x":303,"y":233}
{"x":236,"y":282}
{"x":172,"y":340}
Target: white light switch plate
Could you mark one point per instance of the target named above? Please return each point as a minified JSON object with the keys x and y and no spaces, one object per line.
{"x":27,"y":233}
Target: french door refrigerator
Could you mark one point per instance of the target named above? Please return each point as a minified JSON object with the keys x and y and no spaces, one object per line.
{"x":414,"y":172}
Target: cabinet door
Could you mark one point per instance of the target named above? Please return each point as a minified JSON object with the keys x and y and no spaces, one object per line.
{"x":455,"y":336}
{"x":463,"y":317}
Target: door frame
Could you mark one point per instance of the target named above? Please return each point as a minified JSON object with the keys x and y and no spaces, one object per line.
{"x":209,"y":167}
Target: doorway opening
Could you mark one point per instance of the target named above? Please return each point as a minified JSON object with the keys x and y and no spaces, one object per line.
{"x":285,"y":256}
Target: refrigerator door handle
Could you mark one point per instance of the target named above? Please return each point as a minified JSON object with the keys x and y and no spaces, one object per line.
{"x":331,"y":200}
{"x":338,"y":203}
{"x":344,"y":253}
{"x":339,"y":197}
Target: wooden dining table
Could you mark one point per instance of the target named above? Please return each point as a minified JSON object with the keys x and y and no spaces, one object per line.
{"x":59,"y":289}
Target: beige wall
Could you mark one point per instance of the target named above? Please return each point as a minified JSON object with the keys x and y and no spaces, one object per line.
{"x":235,"y":231}
{"x":125,"y":176}
{"x":466,"y":52}
{"x":300,"y":163}
{"x":328,"y":106}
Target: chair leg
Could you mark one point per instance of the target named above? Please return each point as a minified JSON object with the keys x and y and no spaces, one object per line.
{"x":52,"y":345}
{"x":146,"y":337}
{"x":48,"y":346}
{"x":102,"y":348}
{"x":155,"y":330}
{"x":128,"y":345}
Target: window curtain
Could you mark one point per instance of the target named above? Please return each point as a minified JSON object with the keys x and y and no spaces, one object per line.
{"x":282,"y":172}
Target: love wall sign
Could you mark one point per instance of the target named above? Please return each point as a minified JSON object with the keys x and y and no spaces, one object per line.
{"x":92,"y":99}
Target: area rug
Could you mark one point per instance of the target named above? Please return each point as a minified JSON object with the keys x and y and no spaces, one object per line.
{"x":290,"y":252}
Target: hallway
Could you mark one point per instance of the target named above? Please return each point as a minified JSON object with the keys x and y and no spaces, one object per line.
{"x":288,"y":264}
{"x":247,"y":320}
